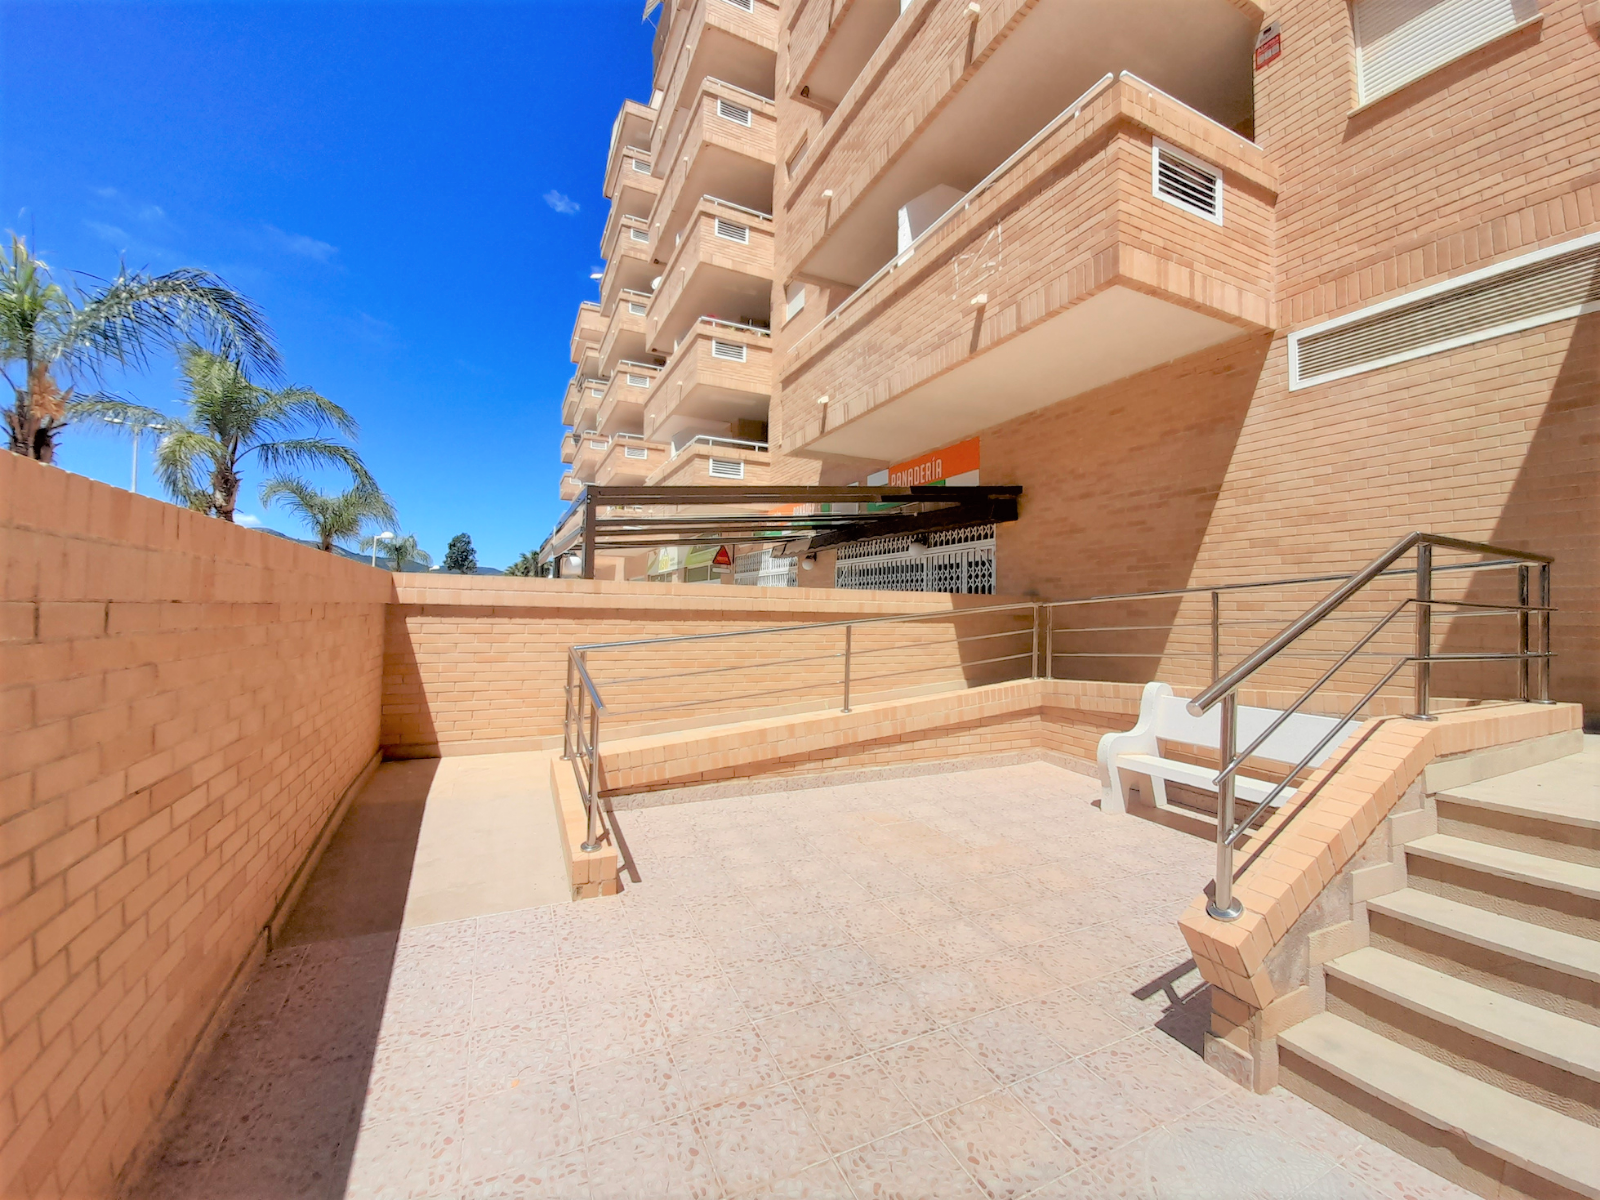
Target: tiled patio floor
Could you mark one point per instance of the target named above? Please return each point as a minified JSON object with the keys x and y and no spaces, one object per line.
{"x":949,"y":986}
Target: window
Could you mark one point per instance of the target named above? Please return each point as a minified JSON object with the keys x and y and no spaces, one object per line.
{"x":635,"y":452}
{"x":636,"y":308}
{"x":732,"y":351}
{"x":1398,"y":41}
{"x":638,"y":380}
{"x":727,"y":468}
{"x":733,"y":232}
{"x":639,"y":235}
{"x":729,"y":111}
{"x":1181,"y":179}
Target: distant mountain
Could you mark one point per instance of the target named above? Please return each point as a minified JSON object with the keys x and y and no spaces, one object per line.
{"x":359,"y":556}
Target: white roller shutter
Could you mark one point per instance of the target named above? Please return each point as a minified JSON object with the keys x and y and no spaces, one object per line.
{"x":1401,"y":40}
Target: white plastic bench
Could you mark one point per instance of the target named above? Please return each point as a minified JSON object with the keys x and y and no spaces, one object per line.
{"x":1165,"y":717}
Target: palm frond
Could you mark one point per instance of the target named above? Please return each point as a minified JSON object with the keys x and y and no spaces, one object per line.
{"x":295,"y":406}
{"x":303,"y":453}
{"x":112,"y":412}
{"x":184,"y":460}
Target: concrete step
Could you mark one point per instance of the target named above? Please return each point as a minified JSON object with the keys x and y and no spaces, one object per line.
{"x":1529,"y":887}
{"x":1528,"y":1051}
{"x":1555,"y":827}
{"x":1548,"y":968}
{"x":1515,"y":1131}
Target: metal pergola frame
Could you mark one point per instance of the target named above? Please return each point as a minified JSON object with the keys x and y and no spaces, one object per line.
{"x":916,"y":510}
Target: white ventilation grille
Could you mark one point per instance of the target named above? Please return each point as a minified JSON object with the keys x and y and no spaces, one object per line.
{"x":640,"y":166}
{"x":733,"y":231}
{"x":597,"y":393}
{"x":747,"y":5}
{"x":732,"y":351}
{"x":729,"y":111}
{"x":636,"y":308}
{"x":598,"y":445}
{"x":639,"y":235}
{"x":727,"y":468}
{"x":1184,"y":180}
{"x":1398,"y":41}
{"x":642,"y":381}
{"x":1535,"y":289}
{"x":635,"y":452}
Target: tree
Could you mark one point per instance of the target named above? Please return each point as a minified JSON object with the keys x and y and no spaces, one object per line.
{"x":333,"y":518}
{"x":229,"y":420}
{"x":53,"y":342}
{"x":401,"y":551}
{"x":460,"y":557}
{"x":527,"y":565}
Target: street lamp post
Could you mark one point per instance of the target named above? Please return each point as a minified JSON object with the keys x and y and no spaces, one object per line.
{"x":385,"y":536}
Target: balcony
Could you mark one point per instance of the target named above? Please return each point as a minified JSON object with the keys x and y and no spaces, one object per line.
{"x":626,"y":399}
{"x":570,"y":487}
{"x":708,"y":460}
{"x":630,"y":460}
{"x":624,"y":337}
{"x":830,"y":43}
{"x":591,"y":449}
{"x":590,"y":392}
{"x":719,"y":377}
{"x":722,"y":268}
{"x":1125,"y":266}
{"x":587,"y":330}
{"x":731,"y":40}
{"x":636,"y":190}
{"x":879,"y":153}
{"x":569,"y":446}
{"x":631,"y":134}
{"x":628,"y":267}
{"x":728,"y":150}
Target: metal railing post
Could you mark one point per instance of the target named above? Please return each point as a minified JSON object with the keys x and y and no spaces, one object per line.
{"x":1423,"y":675}
{"x":1223,"y":906}
{"x":848,"y":630}
{"x":1524,"y":664}
{"x":1033,"y":663}
{"x":1050,"y":641}
{"x":1216,"y":635}
{"x":566,"y":719}
{"x":592,"y":841}
{"x":1544,"y":634}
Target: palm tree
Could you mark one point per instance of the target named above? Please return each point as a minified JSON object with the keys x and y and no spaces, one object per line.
{"x":526,"y":565}
{"x":333,"y":518}
{"x":230,"y":419}
{"x":401,"y":551}
{"x":52,"y":342}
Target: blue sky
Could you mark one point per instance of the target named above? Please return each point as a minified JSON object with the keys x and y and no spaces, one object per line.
{"x":411,"y":191}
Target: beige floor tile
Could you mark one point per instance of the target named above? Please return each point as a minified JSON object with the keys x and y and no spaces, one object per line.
{"x":807,"y":1039}
{"x":628,"y":1093}
{"x":664,"y":1162}
{"x":1003,"y":1146}
{"x":1008,"y":1045}
{"x":883,"y":1015}
{"x":759,"y":1138}
{"x":935,"y":1072}
{"x":717,"y":1066}
{"x":910,"y":1165}
{"x":854,"y":1102}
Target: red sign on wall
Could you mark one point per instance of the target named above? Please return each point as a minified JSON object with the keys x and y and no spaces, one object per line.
{"x":1269,"y":45}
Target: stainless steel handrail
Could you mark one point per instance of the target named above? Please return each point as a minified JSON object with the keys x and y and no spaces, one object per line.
{"x":1224,"y":690}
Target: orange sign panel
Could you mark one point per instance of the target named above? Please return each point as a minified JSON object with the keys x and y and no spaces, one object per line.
{"x":936,"y":466}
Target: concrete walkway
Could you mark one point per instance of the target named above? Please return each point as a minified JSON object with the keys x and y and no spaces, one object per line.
{"x":964,"y":985}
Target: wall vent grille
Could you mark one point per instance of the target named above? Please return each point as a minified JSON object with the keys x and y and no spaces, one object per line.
{"x":726,"y":468}
{"x":1533,"y":290}
{"x":732,"y":351}
{"x":1184,"y":180}
{"x":729,"y":111}
{"x":638,"y":380}
{"x":747,"y":5}
{"x":639,"y":235}
{"x":636,"y":308}
{"x":733,"y":231}
{"x":640,"y":166}
{"x":635,"y":452}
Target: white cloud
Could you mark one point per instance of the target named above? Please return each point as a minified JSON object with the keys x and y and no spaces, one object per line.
{"x":109,"y":233}
{"x":248,"y":519}
{"x":561,"y":202}
{"x":300,"y":244}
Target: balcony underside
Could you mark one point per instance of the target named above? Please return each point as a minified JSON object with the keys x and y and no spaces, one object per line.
{"x":1110,"y":335}
{"x":714,"y":291}
{"x":707,"y":408}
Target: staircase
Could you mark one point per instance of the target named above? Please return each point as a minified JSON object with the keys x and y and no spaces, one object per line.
{"x":1466,"y":1034}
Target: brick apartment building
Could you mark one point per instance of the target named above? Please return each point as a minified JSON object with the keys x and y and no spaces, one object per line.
{"x":1232,"y":292}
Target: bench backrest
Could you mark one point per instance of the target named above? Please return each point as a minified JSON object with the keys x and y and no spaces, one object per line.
{"x":1289,"y":743}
